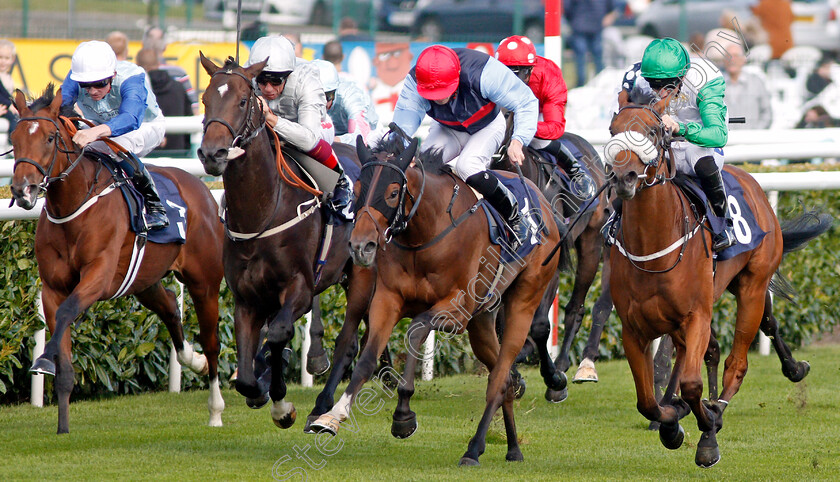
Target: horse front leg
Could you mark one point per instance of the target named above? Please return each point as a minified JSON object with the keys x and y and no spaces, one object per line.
{"x":384,"y":315}
{"x":206,"y":301}
{"x":404,"y":423}
{"x":600,"y":315}
{"x":247,"y":324}
{"x":50,"y":301}
{"x":555,"y":380}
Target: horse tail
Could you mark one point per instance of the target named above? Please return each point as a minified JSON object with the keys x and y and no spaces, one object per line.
{"x":798,"y":231}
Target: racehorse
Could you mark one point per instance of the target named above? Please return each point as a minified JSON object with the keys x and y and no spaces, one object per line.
{"x":84,"y":246}
{"x":585,"y":231}
{"x":435,"y":263}
{"x":664,"y":280}
{"x":271,"y":247}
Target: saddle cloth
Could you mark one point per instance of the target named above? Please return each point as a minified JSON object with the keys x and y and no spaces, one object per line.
{"x":529,"y":207}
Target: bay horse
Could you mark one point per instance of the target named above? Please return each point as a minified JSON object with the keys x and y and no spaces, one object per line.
{"x":423,"y":230}
{"x":271,"y":250}
{"x":585,"y":233}
{"x":84,"y":247}
{"x":664,"y":281}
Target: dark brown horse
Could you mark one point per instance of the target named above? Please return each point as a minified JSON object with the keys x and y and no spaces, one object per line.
{"x":585,"y":233}
{"x":84,"y":253}
{"x":274,"y":225}
{"x":664,"y":280}
{"x":425,"y":233}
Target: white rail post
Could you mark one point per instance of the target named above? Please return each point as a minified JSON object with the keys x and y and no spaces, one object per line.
{"x":36,"y":392}
{"x":305,"y":376}
{"x":174,"y":364}
{"x":764,"y":340}
{"x":553,"y":322}
{"x":429,"y":357}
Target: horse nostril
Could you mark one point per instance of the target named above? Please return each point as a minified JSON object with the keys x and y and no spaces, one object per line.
{"x":369,"y":247}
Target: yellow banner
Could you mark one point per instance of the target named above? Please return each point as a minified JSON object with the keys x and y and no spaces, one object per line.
{"x":40,"y":61}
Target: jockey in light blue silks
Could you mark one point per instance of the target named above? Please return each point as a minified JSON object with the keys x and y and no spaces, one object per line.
{"x":696,"y":112}
{"x":119,"y":97}
{"x":349,"y":107}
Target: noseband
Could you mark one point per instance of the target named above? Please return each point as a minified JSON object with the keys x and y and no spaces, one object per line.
{"x":661,"y":141}
{"x":248,"y":130}
{"x":398,"y":222}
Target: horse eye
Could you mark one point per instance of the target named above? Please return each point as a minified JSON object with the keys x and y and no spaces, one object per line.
{"x":50,"y":138}
{"x":243,"y":102}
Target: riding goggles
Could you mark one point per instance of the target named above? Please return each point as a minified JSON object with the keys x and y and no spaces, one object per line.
{"x":99,"y":84}
{"x":330,"y":96}
{"x":522,"y":71}
{"x":274,"y":78}
{"x":659,"y":84}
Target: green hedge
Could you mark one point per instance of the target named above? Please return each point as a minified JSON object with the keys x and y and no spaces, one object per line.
{"x":119,"y":347}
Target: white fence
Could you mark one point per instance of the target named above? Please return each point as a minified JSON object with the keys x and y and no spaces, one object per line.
{"x":744,"y":146}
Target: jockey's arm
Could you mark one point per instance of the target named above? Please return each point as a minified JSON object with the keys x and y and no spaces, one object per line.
{"x":411,"y":107}
{"x":501,"y":86}
{"x":69,"y":91}
{"x":713,"y":132}
{"x":553,"y":109}
{"x":353,"y":102}
{"x":132,"y":106}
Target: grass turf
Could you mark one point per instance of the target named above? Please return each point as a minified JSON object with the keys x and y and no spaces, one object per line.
{"x":773,"y":429}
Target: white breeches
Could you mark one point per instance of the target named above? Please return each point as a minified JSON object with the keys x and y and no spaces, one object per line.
{"x":468,"y":154}
{"x":139,"y":142}
{"x":686,"y":155}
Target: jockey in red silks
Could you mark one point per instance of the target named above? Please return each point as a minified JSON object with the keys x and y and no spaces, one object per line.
{"x":545,"y":79}
{"x":463,"y":90}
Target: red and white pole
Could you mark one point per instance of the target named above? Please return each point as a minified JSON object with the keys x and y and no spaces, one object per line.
{"x":553,"y":40}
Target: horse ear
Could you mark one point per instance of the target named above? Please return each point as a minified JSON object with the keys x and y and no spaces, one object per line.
{"x":661,"y":104}
{"x":362,"y":150}
{"x":209,"y":66}
{"x":20,"y":104}
{"x":255,"y":69}
{"x":623,"y":98}
{"x":55,"y":105}
{"x":407,"y":155}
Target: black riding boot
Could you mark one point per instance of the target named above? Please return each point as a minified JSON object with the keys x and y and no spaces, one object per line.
{"x":339,"y":202}
{"x":570,"y":164}
{"x":142,"y":180}
{"x":712,"y":184}
{"x":503,"y":200}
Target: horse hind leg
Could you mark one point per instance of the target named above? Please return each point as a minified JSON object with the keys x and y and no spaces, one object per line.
{"x":600,"y":315}
{"x":555,"y":380}
{"x":794,"y":370}
{"x":317,"y":361}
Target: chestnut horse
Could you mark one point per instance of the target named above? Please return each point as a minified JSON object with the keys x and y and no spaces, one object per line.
{"x":667,"y":281}
{"x":423,"y":229}
{"x":84,"y":246}
{"x":274,"y":225}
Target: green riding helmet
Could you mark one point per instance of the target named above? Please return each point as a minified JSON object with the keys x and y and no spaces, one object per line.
{"x":665,"y":59}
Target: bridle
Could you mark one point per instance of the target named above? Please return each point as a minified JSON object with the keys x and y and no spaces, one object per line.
{"x":248,"y":129}
{"x":398,"y":220}
{"x":661,"y":139}
{"x":59,"y":146}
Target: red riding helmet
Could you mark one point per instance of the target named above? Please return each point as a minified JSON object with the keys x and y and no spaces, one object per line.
{"x":517,"y":50}
{"x":438,"y":71}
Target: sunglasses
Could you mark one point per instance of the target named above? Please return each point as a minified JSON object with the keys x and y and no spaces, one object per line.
{"x":330,"y":96}
{"x":659,"y":84}
{"x":274,"y":78}
{"x":521,"y":71}
{"x":95,"y":85}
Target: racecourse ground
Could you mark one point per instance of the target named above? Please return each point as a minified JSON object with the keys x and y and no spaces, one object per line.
{"x":773,"y":430}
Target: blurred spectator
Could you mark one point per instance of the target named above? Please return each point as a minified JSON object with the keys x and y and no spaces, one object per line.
{"x":7,"y":85}
{"x":348,"y":31}
{"x":825,"y":72}
{"x":747,"y":29}
{"x":776,"y":18}
{"x":817,"y":117}
{"x":171,"y":97}
{"x":333,"y":53}
{"x":697,"y":43}
{"x":154,"y":39}
{"x":295,"y":40}
{"x":746,"y":92}
{"x":587,"y":19}
{"x":119,"y":44}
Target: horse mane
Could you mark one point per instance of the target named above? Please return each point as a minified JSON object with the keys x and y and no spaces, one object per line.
{"x":431,"y":159}
{"x":45,"y":100}
{"x":230,"y":64}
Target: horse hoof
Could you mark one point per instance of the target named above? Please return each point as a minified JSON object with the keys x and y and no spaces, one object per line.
{"x":514,"y":455}
{"x":586,"y":372}
{"x":404,"y":428}
{"x":519,"y":388}
{"x":256,"y":403}
{"x":557,"y":381}
{"x":234,"y":375}
{"x":801,"y":371}
{"x":287,"y":420}
{"x":307,"y":428}
{"x":556,"y":396}
{"x":468,"y":462}
{"x":317,"y":365}
{"x":43,"y":366}
{"x":708,"y":453}
{"x":671,"y":438}
{"x":325,"y":423}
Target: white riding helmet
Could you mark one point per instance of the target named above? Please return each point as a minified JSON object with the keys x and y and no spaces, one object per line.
{"x":329,"y":75}
{"x":278,"y":50}
{"x":92,"y":61}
